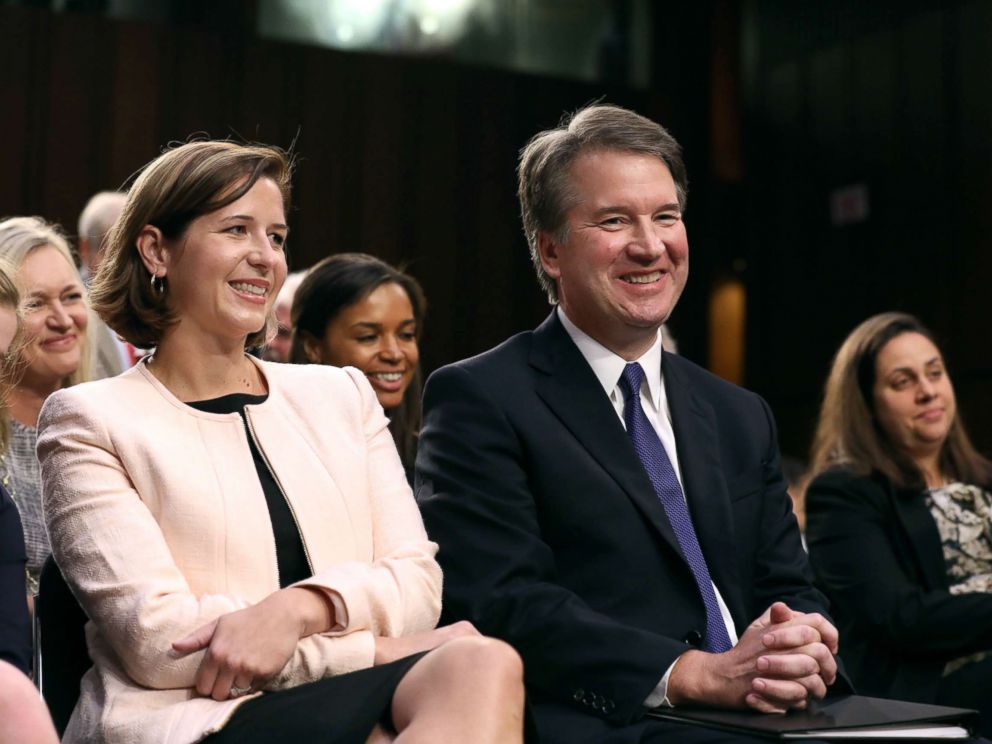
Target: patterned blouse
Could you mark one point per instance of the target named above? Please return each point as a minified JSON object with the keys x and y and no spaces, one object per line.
{"x":963,"y":514}
{"x":22,"y":475}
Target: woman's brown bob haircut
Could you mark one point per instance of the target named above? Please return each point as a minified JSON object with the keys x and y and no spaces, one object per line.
{"x":180,"y":185}
{"x":848,"y":432}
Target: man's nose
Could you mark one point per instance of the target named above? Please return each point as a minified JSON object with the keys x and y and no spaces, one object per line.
{"x":647,"y":240}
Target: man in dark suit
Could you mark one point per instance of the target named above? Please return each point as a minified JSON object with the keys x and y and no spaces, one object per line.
{"x":613,"y":511}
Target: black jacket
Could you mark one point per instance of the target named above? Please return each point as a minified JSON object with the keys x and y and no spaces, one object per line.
{"x":15,"y":624}
{"x":878,"y":556}
{"x":552,"y":536}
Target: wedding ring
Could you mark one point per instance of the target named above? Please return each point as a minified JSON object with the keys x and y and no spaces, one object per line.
{"x":237,"y":692}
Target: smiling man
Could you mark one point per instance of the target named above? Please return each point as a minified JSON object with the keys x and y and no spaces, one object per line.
{"x":614,"y":511}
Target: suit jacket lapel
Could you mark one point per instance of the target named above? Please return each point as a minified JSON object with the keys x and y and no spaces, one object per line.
{"x":566,"y":383}
{"x":923,"y":536}
{"x":696,"y":439}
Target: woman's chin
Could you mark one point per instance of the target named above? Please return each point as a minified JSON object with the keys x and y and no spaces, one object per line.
{"x":54,"y":373}
{"x":390,"y":400}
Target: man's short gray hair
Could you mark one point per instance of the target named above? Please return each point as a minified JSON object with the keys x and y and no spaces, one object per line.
{"x":99,"y":215}
{"x":543,"y":171}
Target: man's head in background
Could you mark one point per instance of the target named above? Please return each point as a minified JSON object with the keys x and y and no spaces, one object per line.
{"x":95,"y":221}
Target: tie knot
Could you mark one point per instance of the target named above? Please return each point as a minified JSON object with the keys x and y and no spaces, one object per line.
{"x":631,"y":379}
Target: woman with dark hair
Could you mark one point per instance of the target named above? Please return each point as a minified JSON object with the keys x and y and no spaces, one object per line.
{"x":354,"y":310}
{"x":899,"y":521}
{"x":240,"y":533}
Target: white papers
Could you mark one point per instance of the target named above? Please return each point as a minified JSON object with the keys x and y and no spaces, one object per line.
{"x":895,"y":731}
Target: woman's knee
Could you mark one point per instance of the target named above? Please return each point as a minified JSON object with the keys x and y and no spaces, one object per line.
{"x":480,"y":656}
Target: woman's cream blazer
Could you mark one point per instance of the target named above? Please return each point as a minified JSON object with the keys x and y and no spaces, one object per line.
{"x":158,"y":521}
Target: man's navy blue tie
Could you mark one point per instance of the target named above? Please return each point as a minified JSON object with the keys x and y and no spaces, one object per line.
{"x":659,"y":468}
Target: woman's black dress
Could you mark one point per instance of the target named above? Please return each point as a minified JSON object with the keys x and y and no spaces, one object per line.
{"x":336,"y":710}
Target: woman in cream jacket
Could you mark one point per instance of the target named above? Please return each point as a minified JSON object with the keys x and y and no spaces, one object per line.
{"x":240,"y":533}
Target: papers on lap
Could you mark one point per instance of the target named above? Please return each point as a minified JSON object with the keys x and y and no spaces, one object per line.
{"x":847,"y":717}
{"x":897,"y":732}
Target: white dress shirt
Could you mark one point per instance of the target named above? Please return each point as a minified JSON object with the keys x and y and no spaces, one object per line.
{"x":608,"y":367}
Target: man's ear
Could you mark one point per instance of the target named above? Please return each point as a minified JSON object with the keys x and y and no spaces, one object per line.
{"x":311,"y":347}
{"x":153,"y":250}
{"x":548,"y":249}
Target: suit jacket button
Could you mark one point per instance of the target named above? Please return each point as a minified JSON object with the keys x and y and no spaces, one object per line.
{"x":608,"y":706}
{"x":589,"y":699}
{"x":578,"y":694}
{"x":694,"y":638}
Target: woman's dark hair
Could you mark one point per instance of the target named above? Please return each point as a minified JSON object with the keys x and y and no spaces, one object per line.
{"x":338,"y":282}
{"x":848,"y":432}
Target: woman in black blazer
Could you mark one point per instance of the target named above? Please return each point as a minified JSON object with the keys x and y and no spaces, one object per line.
{"x":899,"y":521}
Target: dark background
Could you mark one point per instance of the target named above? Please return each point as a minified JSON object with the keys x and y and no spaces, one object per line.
{"x":777,"y":104}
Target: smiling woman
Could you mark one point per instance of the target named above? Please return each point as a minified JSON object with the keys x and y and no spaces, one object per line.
{"x":239,"y":532}
{"x":55,"y":354}
{"x":353,"y":309}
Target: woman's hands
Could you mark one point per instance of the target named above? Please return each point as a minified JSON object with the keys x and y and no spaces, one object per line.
{"x":248,"y":647}
{"x":391,"y":649}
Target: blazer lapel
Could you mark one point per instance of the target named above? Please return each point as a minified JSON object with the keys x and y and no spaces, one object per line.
{"x":568,"y":386}
{"x":923,"y":536}
{"x":696,"y":438}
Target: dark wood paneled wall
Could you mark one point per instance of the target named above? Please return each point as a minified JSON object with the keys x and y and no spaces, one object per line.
{"x":410,"y":159}
{"x":894,"y":96}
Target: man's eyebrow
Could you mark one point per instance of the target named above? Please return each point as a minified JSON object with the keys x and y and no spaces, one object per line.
{"x":668,"y":207}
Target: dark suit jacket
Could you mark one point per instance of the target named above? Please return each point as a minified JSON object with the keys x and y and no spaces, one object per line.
{"x":877,"y":554}
{"x":15,"y":623}
{"x":552,"y":536}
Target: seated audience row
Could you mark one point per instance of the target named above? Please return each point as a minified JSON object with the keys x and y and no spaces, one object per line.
{"x":244,"y":540}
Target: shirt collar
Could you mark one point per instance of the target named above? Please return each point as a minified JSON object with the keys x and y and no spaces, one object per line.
{"x":608,"y":366}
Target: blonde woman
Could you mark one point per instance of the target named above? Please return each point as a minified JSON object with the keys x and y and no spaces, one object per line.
{"x":55,"y":355}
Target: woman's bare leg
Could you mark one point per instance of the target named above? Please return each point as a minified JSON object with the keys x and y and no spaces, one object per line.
{"x":468,"y":690}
